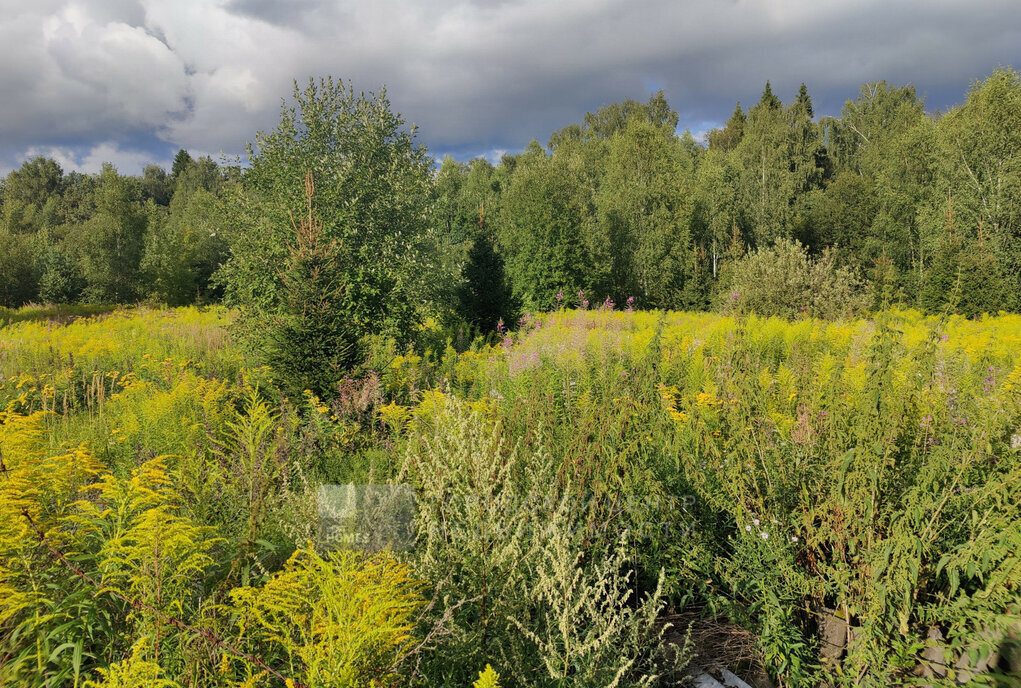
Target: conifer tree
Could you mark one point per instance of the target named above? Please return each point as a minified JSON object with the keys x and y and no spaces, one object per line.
{"x":309,"y":341}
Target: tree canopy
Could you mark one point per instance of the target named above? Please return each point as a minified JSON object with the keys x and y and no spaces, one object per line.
{"x":618,"y":205}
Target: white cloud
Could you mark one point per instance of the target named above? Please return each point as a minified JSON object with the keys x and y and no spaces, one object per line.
{"x":127,"y":161}
{"x":496,"y":155}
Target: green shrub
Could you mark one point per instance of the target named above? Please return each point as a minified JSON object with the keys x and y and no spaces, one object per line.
{"x":530,"y":577}
{"x":336,"y":621}
{"x":784,"y":280}
{"x":309,"y":341}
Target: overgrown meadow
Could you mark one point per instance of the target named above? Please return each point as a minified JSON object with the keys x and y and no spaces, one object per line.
{"x":603,"y":498}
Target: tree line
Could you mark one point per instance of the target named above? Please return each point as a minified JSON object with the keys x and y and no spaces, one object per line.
{"x":905,"y":206}
{"x":111,"y":238}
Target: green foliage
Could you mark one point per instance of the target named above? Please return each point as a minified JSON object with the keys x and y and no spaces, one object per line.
{"x":48,"y":625}
{"x":540,"y":229}
{"x":965,"y":278}
{"x":484,"y":297}
{"x":726,"y":139}
{"x":838,"y":497}
{"x":156,"y":185}
{"x":110,"y":243}
{"x":619,"y":205}
{"x":587,"y":627}
{"x":614,"y":118}
{"x":341,"y":621}
{"x":771,"y":480}
{"x":310,"y":341}
{"x":716,"y":212}
{"x":183,"y":248}
{"x":467,"y":198}
{"x":777,"y":156}
{"x":147,"y":553}
{"x":981,"y":166}
{"x":18,"y":277}
{"x":182,"y":161}
{"x":110,"y":237}
{"x":643,"y":210}
{"x":134,"y":672}
{"x":61,"y":280}
{"x":373,"y":193}
{"x":850,"y":487}
{"x":519,"y":580}
{"x":785,"y":281}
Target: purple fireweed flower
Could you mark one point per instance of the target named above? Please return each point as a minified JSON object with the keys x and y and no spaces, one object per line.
{"x":582,"y":301}
{"x":608,"y":304}
{"x":735,"y":295}
{"x":500,"y":327}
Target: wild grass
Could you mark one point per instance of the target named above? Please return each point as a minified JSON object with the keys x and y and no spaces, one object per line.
{"x":577,"y":481}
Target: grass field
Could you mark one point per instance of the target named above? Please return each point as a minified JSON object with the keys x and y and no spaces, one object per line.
{"x":846,"y":495}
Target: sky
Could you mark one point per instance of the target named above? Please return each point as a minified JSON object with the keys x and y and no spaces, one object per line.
{"x":133,"y":81}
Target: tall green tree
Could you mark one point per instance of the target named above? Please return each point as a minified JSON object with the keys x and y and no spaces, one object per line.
{"x":156,"y":185}
{"x":183,"y":248}
{"x":778,"y":156}
{"x":980,"y":166}
{"x":372,"y":196}
{"x":644,"y":206}
{"x":467,"y":204}
{"x":18,"y":278}
{"x":727,"y":138}
{"x":964,"y":277}
{"x":717,"y":210}
{"x":182,"y":161}
{"x":308,"y":340}
{"x":30,"y":196}
{"x":61,"y":279}
{"x":540,"y":230}
{"x":611,"y":119}
{"x":110,"y":244}
{"x":34,"y":183}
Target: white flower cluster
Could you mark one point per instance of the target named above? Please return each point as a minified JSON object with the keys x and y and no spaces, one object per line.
{"x":756,"y":523}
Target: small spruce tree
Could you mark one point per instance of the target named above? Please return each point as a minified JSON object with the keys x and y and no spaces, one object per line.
{"x":484,"y":297}
{"x":309,"y":343}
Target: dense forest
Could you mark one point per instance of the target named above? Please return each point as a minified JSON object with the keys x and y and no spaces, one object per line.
{"x":887,"y":203}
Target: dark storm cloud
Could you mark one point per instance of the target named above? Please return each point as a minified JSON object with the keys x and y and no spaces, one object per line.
{"x":93,"y":77}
